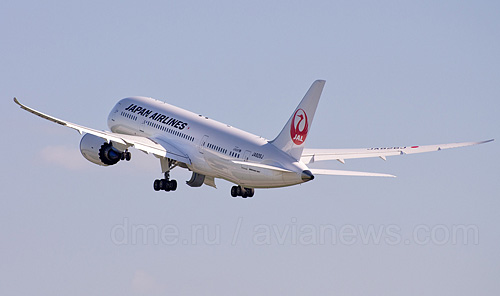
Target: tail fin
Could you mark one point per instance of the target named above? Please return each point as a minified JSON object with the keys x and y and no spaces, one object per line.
{"x":292,"y":137}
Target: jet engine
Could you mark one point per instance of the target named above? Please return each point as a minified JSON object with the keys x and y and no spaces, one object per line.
{"x":98,"y":151}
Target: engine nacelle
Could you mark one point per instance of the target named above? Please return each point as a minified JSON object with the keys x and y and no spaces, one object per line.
{"x":196,"y":180}
{"x":98,"y":151}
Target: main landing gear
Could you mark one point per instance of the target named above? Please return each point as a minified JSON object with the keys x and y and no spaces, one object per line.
{"x":166,"y":184}
{"x":242,"y":191}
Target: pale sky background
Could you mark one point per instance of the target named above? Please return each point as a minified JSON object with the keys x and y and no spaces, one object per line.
{"x":397,"y":72}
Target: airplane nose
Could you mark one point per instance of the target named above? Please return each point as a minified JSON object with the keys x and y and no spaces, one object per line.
{"x":307,"y":176}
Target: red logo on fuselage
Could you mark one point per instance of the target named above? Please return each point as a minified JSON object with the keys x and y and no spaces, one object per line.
{"x":299,"y":127}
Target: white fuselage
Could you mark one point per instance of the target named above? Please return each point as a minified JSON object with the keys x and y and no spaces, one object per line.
{"x":212,"y":147}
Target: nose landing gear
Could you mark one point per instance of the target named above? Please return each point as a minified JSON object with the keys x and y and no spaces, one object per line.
{"x":242,"y":191}
{"x":126,"y":155}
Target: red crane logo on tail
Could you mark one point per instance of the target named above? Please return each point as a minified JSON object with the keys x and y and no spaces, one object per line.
{"x":299,"y":127}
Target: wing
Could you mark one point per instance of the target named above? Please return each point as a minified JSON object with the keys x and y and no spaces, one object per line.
{"x":314,"y":155}
{"x":157,"y":147}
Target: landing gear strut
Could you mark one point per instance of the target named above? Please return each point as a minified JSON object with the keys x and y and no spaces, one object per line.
{"x":166,"y":184}
{"x":242,"y":191}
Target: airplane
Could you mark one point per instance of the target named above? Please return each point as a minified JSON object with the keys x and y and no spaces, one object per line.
{"x":214,"y":150}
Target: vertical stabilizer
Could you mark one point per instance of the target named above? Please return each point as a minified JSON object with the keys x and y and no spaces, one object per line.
{"x":293,"y":136}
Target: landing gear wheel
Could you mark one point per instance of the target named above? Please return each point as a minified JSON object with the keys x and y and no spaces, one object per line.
{"x":234,"y":191}
{"x":156,"y":185}
{"x":161,"y":184}
{"x":173,"y":185}
{"x":126,"y":156}
{"x":243,"y":192}
{"x":164,"y":185}
{"x":250,"y":192}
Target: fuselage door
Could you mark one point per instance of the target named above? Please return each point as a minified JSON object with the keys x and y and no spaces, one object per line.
{"x":246,"y":156}
{"x":203,"y":144}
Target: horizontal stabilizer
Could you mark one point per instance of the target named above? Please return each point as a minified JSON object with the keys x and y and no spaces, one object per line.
{"x":262,"y":166}
{"x":347,"y":173}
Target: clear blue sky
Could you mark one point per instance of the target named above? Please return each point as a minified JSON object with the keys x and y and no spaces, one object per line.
{"x":398,"y":73}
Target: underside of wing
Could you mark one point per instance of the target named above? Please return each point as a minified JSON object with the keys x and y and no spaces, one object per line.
{"x":315,"y":155}
{"x":157,"y":147}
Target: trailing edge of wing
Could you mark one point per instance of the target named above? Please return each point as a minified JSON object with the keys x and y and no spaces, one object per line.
{"x":314,"y":155}
{"x":347,"y":173}
{"x":262,"y":166}
{"x":154,"y":146}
